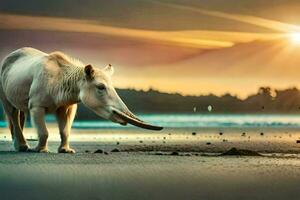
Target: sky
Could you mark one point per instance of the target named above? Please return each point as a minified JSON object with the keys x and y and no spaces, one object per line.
{"x":191,"y":47}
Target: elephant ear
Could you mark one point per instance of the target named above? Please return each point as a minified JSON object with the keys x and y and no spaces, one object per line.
{"x":109,"y":69}
{"x":89,"y":72}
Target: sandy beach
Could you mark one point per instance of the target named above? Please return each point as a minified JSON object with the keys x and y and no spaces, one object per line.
{"x":141,"y":176}
{"x":144,"y":169}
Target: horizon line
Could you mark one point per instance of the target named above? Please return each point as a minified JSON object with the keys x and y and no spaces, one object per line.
{"x":207,"y":94}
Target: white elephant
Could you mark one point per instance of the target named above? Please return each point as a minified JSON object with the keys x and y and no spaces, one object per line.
{"x":40,"y":83}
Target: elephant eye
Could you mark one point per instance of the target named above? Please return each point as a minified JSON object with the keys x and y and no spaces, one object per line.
{"x":101,"y":87}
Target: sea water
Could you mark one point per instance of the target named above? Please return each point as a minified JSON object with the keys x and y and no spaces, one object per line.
{"x":205,"y":121}
{"x":198,"y":121}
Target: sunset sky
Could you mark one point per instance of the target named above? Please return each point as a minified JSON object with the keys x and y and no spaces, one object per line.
{"x":191,"y":47}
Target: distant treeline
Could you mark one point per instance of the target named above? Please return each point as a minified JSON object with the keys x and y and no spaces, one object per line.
{"x":266,"y":100}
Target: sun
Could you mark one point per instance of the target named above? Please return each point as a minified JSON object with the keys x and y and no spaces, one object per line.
{"x":295,"y":38}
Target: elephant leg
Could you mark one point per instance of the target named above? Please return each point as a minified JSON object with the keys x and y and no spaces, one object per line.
{"x":22,"y":120}
{"x":15,"y":127}
{"x":65,"y":117}
{"x":38,"y":121}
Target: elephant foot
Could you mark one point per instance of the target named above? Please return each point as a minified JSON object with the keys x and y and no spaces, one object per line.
{"x":39,"y":149}
{"x":22,"y":148}
{"x":65,"y":150}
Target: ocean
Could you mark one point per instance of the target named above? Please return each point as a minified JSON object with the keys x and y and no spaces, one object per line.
{"x":198,"y":121}
{"x":205,"y":121}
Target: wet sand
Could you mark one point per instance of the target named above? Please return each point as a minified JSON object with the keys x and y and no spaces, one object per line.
{"x":139,"y":173}
{"x":210,"y":140}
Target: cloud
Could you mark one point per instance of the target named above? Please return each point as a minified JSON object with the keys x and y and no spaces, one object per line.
{"x":191,"y":39}
{"x":9,"y":21}
{"x":258,"y":21}
{"x":175,"y":60}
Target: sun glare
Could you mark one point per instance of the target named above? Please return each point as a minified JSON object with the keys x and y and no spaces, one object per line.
{"x":295,"y":38}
